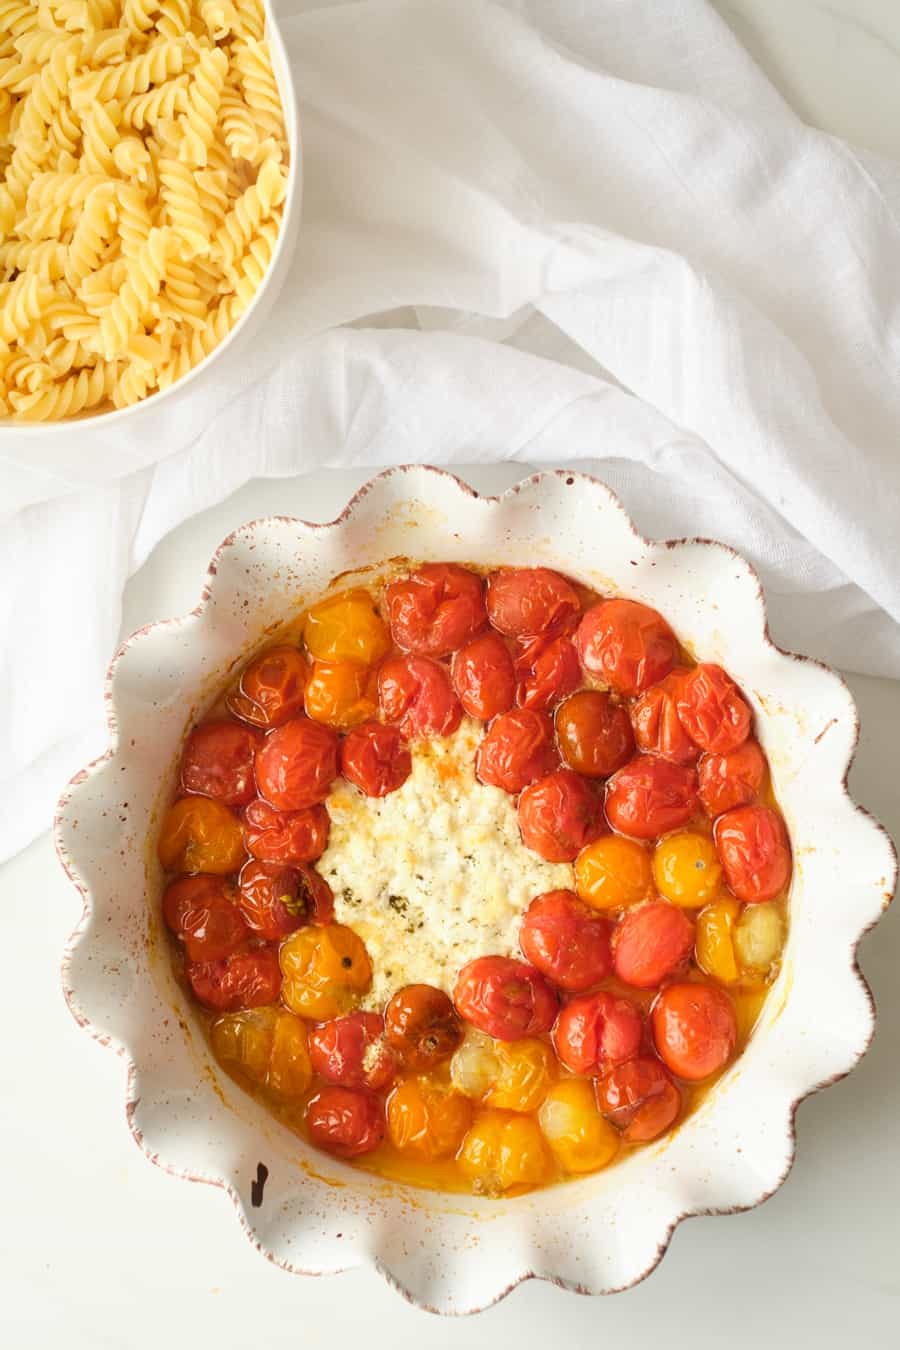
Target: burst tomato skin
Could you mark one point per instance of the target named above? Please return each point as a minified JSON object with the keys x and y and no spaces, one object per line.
{"x":346,"y":627}
{"x":517,"y":750}
{"x":484,"y":678}
{"x":375,"y":759}
{"x":639,"y":1098}
{"x":271,"y":688}
{"x":566,"y":941}
{"x":525,"y":602}
{"x":650,"y":797}
{"x":712,"y":710}
{"x":594,"y":734}
{"x":345,"y":1121}
{"x":650,"y":942}
{"x":276,"y":900}
{"x":285,"y":836}
{"x":201,"y":911}
{"x":507,"y":999}
{"x":244,"y":980}
{"x":559,"y":815}
{"x":626,"y":644}
{"x":658,"y":729}
{"x":352,"y":1051}
{"x":595,"y":1031}
{"x":296,"y":764}
{"x":422,"y":1026}
{"x":415,"y":693}
{"x":217,"y":761}
{"x":753,"y":846}
{"x":436,"y":609}
{"x":694,"y":1029}
{"x":340,"y":693}
{"x":548,"y":671}
{"x":731,"y":780}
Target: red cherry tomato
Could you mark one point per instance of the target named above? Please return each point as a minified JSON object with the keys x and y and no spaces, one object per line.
{"x":421,"y":1026}
{"x":217,"y":761}
{"x":275,"y":899}
{"x":517,"y":750}
{"x":484,"y":678}
{"x":527,"y":601}
{"x":650,"y":796}
{"x":628,"y":645}
{"x":731,"y":780}
{"x":566,"y":941}
{"x":244,"y":980}
{"x":201,"y":911}
{"x":594,"y":734}
{"x":559,"y":815}
{"x":506,"y":999}
{"x":713,"y":710}
{"x":416,"y":693}
{"x":694,"y":1029}
{"x":639,"y":1098}
{"x":285,"y":836}
{"x":376,"y":759}
{"x":753,"y":845}
{"x":296,"y":765}
{"x":435,"y":609}
{"x":352,"y":1050}
{"x":649,"y":942}
{"x":595,"y":1031}
{"x":271,"y":688}
{"x":345,"y":1121}
{"x":547,"y":671}
{"x":657,"y":726}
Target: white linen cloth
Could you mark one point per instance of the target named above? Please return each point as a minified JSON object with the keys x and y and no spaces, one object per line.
{"x":598,"y":234}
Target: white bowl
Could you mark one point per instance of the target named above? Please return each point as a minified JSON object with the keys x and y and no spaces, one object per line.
{"x":448,"y":1252}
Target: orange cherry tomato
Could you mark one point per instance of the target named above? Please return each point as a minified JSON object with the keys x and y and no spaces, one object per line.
{"x":731,"y":780}
{"x":657,"y":726}
{"x":525,"y":602}
{"x":694,"y":1029}
{"x":268,"y":1046}
{"x":285,"y":836}
{"x":548,"y":670}
{"x":484,"y":678}
{"x":422,"y":1026}
{"x":201,"y":911}
{"x":639,"y":1098}
{"x":242,"y":980}
{"x":415,"y":693}
{"x":352,"y":1051}
{"x":595,"y":1031}
{"x":435,"y":609}
{"x":271,"y":688}
{"x":341,"y":693}
{"x":559,"y":815}
{"x":427,"y":1118}
{"x":296,"y":764}
{"x":517,"y":750}
{"x":626,"y":644}
{"x":502,"y":1151}
{"x":199,"y":834}
{"x":345,"y":1121}
{"x":505,"y":998}
{"x":650,"y":942}
{"x":326,"y":970}
{"x":347,"y":627}
{"x":650,"y":796}
{"x":713,"y":710}
{"x":753,"y":845}
{"x":217,"y":761}
{"x":566,"y":941}
{"x":613,"y":873}
{"x":276,"y":899}
{"x":376,"y":759}
{"x":594,"y":734}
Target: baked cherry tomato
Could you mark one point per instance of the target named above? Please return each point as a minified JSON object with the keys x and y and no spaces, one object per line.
{"x":650,"y":796}
{"x":566,"y":941}
{"x":650,"y":942}
{"x":285,"y":836}
{"x":422,"y":1026}
{"x":199,"y":834}
{"x":686,"y":869}
{"x":595,"y":1031}
{"x":694,"y":1029}
{"x":594,"y":734}
{"x":243,"y":980}
{"x":559,"y":814}
{"x":639,"y":1098}
{"x":484,"y":678}
{"x":271,"y":688}
{"x":217,"y":761}
{"x":435,"y":609}
{"x":581,"y":1139}
{"x":201,"y":911}
{"x":266,"y":1045}
{"x":507,"y":999}
{"x":527,"y":601}
{"x":548,"y":670}
{"x":517,"y":750}
{"x":296,"y":764}
{"x":657,"y":727}
{"x":341,"y":693}
{"x":326,"y":970}
{"x":345,"y":1121}
{"x":731,"y":780}
{"x":626,"y":644}
{"x":276,"y":899}
{"x":503,"y":1151}
{"x":416,"y":693}
{"x":427,"y":1118}
{"x":613,"y":873}
{"x":376,"y":759}
{"x":352,"y":1050}
{"x":756,"y":855}
{"x":713,"y":710}
{"x":347,"y":627}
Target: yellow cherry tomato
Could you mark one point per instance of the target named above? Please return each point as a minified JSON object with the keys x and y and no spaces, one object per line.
{"x":427,"y":1118}
{"x":613,"y":873}
{"x":582,"y":1140}
{"x":525,"y":1070}
{"x":266,"y":1045}
{"x":325,"y":971}
{"x":686,"y":869}
{"x":347,"y":627}
{"x":714,"y":940}
{"x":475,"y":1065}
{"x":504,"y":1150}
{"x":341,"y":694}
{"x":759,"y":937}
{"x":199,"y":834}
